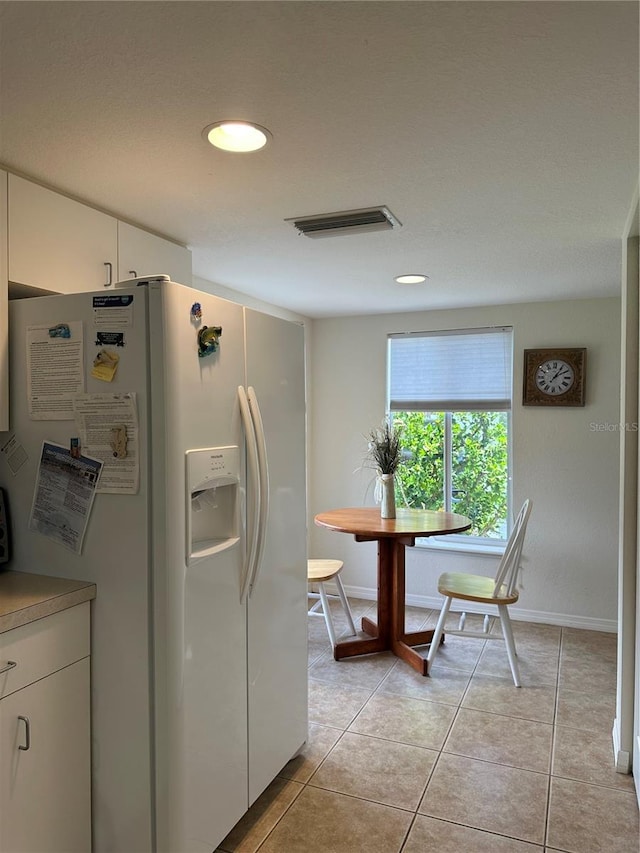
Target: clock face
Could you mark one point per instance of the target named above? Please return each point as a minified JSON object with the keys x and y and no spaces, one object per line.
{"x":554,"y":377}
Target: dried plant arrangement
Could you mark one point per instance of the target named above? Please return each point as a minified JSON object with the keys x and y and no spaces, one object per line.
{"x":384,"y":448}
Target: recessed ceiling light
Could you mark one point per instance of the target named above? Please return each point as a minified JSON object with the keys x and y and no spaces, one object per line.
{"x":239,"y":136}
{"x":410,"y":279}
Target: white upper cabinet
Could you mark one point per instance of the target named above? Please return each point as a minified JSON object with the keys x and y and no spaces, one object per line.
{"x":141,"y":253}
{"x":56,"y":243}
{"x":4,"y":313}
{"x":60,"y":245}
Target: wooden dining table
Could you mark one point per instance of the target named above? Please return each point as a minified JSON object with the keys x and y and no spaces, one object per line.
{"x":392,"y":535}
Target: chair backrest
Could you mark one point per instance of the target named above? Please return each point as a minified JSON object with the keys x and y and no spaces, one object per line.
{"x":507,"y":574}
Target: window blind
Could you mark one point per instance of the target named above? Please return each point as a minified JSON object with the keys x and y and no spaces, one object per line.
{"x":463,"y":370}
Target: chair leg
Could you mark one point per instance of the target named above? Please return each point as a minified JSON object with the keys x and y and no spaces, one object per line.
{"x":315,"y":607}
{"x":345,"y":604}
{"x":437,"y":634}
{"x":327,"y":613}
{"x":507,"y":633}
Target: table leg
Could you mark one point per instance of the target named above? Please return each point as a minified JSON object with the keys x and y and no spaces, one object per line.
{"x":400,"y":642}
{"x":388,"y":632}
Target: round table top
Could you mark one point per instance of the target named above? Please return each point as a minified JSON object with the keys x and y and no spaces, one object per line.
{"x":366,"y":521}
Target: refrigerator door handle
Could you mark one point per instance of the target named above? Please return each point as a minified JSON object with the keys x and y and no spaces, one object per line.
{"x":254,"y":475}
{"x":263,"y":468}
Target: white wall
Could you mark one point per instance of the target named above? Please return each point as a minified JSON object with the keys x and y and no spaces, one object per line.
{"x":567,"y":467}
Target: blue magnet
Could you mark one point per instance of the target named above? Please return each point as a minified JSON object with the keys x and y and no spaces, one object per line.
{"x":196,"y":311}
{"x":60,"y":331}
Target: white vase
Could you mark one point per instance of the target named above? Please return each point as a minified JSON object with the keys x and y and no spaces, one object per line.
{"x":388,"y":505}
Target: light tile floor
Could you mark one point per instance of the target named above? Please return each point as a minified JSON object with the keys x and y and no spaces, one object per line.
{"x":460,"y":762}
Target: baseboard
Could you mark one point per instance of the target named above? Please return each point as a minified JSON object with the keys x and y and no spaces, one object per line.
{"x":622,"y":759}
{"x":564,"y":620}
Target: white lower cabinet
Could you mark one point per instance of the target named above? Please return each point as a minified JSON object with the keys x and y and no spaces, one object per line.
{"x":45,"y":753}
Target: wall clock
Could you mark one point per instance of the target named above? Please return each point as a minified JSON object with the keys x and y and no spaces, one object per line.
{"x":554,"y":376}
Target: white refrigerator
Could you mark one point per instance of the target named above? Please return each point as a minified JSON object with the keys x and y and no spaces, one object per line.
{"x":199,"y":682}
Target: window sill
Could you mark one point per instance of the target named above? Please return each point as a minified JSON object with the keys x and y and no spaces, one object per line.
{"x":455,"y":545}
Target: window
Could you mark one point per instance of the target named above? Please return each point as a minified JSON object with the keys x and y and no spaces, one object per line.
{"x":451,"y":392}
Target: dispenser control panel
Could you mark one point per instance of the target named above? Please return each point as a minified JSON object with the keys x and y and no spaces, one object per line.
{"x":213,"y":463}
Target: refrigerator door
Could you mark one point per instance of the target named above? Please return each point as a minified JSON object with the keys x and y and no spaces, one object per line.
{"x":199,"y":624}
{"x":115,"y":556}
{"x":277,"y":613}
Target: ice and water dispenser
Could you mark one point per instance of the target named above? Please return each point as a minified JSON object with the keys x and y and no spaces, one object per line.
{"x":213,"y":501}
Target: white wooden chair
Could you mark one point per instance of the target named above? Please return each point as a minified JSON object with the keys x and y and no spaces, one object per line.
{"x":499,"y":591}
{"x":319,"y":572}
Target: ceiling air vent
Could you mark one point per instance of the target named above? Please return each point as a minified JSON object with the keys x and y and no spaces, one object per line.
{"x":346,"y":222}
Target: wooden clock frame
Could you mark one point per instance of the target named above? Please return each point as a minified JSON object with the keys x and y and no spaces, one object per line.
{"x":533,"y":358}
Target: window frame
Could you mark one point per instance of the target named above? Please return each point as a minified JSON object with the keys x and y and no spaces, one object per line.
{"x":460,"y":542}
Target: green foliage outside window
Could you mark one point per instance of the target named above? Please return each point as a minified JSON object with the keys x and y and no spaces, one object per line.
{"x":479,"y":466}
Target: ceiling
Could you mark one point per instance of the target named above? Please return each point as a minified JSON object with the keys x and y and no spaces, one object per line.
{"x":503,"y":135}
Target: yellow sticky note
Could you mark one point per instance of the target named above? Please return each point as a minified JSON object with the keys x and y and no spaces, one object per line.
{"x":105,"y":365}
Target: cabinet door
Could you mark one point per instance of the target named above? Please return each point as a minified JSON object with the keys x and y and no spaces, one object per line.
{"x":4,"y":311}
{"x":56,"y":243}
{"x":141,"y":253}
{"x":45,"y":791}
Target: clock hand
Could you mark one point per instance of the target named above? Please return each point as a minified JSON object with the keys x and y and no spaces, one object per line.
{"x":558,"y":373}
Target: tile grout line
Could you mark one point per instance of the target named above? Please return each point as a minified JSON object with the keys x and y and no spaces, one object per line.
{"x":547,"y":811}
{"x":441,"y":749}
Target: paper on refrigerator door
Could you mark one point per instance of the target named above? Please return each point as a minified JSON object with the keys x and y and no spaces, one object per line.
{"x":108,"y":427}
{"x":63,"y":496}
{"x":55,"y":370}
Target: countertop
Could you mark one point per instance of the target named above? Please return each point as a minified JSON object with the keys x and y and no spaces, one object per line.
{"x":25,"y":597}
